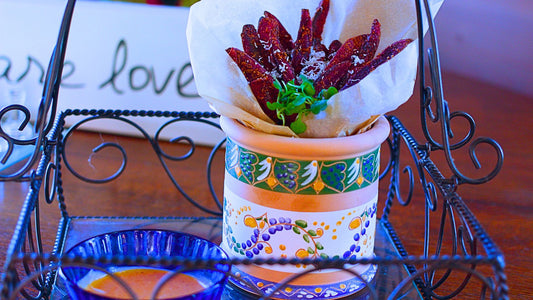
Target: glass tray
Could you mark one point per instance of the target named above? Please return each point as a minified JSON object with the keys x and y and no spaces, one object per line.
{"x":81,"y":228}
{"x":468,"y":249}
{"x":453,"y":239}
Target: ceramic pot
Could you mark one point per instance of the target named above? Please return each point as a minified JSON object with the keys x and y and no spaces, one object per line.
{"x":301,"y":197}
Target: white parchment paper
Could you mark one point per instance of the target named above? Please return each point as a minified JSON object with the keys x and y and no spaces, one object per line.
{"x":216,"y":25}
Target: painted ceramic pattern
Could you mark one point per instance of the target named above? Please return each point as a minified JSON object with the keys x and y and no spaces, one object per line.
{"x":318,"y":291}
{"x":278,"y":206}
{"x":252,"y":230}
{"x":301,"y":176}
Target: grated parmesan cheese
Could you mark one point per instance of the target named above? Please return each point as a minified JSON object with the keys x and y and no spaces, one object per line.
{"x":266,"y":44}
{"x":283,"y":67}
{"x":314,"y":66}
{"x":275,"y":74}
{"x":356,"y":60}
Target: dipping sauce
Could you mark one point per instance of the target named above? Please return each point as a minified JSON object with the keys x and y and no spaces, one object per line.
{"x":143,"y":281}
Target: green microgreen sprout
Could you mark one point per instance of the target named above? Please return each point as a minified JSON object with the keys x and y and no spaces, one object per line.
{"x":299,"y":99}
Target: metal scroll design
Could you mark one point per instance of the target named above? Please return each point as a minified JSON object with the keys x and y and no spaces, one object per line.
{"x":441,"y":115}
{"x":457,"y":233}
{"x":155,"y":142}
{"x":46,"y":113}
{"x":51,"y":263}
{"x":456,"y":224}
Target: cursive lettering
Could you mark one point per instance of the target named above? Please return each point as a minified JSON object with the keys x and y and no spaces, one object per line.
{"x":121,"y":48}
{"x":68,"y":70}
{"x":140,"y":77}
{"x":32,"y":63}
{"x":145,"y":73}
{"x":124,"y":76}
{"x":165,"y":83}
{"x":187,"y":81}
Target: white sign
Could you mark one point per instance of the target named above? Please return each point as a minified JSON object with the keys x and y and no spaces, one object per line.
{"x":119,"y":56}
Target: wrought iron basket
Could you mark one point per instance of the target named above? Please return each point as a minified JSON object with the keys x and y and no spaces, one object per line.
{"x":458,"y":258}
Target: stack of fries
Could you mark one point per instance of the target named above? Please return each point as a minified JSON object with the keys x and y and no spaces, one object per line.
{"x":317,"y":85}
{"x":273,"y":63}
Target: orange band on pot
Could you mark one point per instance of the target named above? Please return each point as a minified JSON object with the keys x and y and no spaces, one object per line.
{"x":298,"y":202}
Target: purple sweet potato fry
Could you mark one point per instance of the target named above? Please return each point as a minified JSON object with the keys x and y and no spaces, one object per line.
{"x":302,"y":46}
{"x":387,"y":54}
{"x":284,"y":37}
{"x":333,"y":77}
{"x":265,"y":91}
{"x":319,"y":19}
{"x":253,"y":47}
{"x":269,"y":35}
{"x":251,"y":69}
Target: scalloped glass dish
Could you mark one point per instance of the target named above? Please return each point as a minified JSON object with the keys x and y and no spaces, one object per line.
{"x":100,"y":282}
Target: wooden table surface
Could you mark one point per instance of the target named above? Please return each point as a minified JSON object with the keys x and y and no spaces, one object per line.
{"x":503,"y":206}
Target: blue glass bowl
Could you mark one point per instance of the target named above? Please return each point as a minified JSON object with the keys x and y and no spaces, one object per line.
{"x":151,"y":243}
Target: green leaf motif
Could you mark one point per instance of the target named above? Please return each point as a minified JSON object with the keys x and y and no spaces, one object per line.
{"x":306,"y":238}
{"x":312,"y":232}
{"x":319,"y":246}
{"x":324,"y":255}
{"x":310,"y":250}
{"x":301,"y":223}
{"x":296,"y":230}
